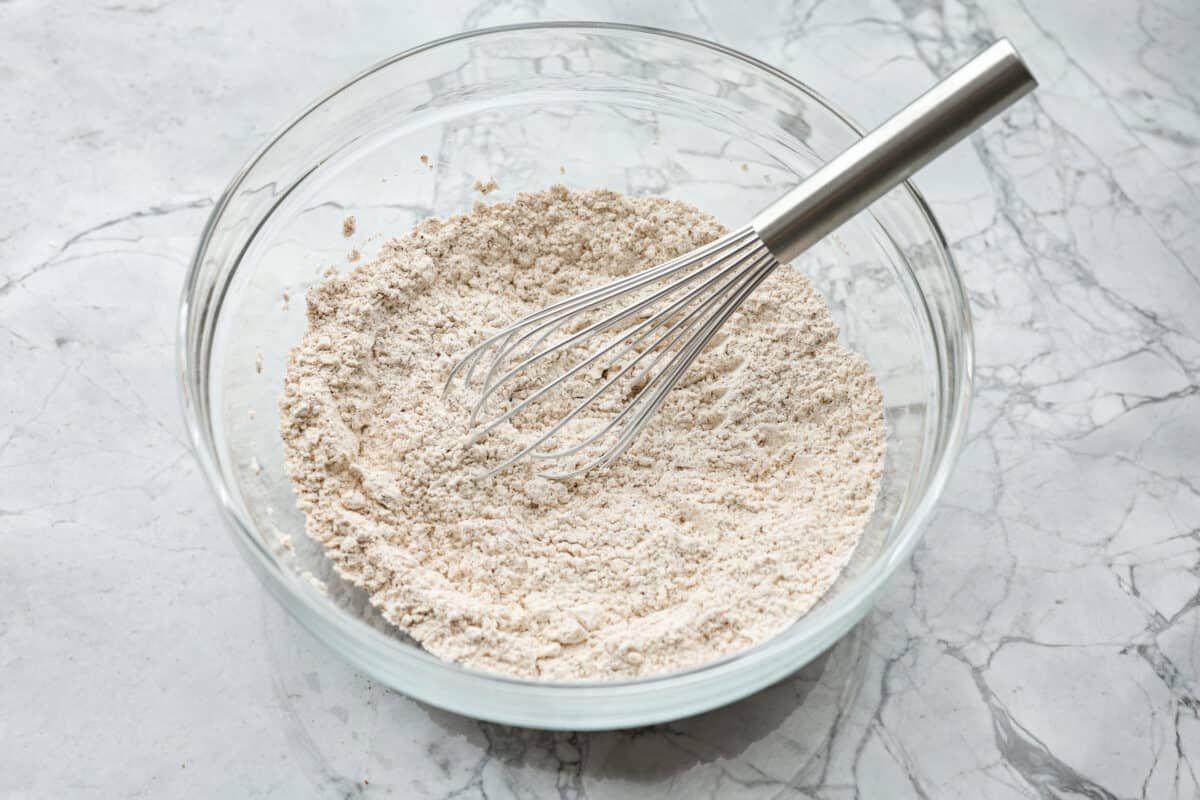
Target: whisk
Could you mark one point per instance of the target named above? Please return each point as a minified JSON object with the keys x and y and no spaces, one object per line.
{"x":659,"y":320}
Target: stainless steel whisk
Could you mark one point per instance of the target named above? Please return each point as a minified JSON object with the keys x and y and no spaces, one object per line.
{"x":687,"y":299}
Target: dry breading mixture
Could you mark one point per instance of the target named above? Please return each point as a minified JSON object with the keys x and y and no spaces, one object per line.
{"x":731,"y":515}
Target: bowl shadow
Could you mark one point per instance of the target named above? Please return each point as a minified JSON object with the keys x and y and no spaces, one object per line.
{"x":793,"y":722}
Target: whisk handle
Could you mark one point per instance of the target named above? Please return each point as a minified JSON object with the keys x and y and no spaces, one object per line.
{"x":973,"y":94}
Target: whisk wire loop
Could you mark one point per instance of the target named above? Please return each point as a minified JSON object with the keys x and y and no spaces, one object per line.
{"x":644,"y":329}
{"x":690,"y":296}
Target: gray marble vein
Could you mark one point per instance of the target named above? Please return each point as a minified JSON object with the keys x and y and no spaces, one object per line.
{"x":1043,"y":642}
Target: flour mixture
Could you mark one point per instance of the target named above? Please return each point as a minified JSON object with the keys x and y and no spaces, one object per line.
{"x":732,"y":513}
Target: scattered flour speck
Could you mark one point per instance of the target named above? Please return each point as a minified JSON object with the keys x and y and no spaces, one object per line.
{"x":486,"y":187}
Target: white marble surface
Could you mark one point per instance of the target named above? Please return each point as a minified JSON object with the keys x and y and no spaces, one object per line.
{"x":1043,"y":642}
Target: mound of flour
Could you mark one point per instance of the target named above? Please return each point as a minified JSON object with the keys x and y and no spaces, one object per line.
{"x":730,"y":516}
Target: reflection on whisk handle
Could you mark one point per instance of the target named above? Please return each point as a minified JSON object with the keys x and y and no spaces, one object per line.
{"x":923,"y":130}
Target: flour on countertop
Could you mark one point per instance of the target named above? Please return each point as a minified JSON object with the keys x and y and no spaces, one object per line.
{"x":733,"y":512}
{"x":486,"y":187}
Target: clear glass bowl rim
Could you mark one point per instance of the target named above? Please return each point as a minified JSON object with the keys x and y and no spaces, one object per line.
{"x":781,"y":655}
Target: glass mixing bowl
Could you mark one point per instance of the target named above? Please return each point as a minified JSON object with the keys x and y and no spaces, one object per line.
{"x":589,"y":105}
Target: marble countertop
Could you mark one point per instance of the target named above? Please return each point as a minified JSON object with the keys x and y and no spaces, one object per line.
{"x":1044,"y":641}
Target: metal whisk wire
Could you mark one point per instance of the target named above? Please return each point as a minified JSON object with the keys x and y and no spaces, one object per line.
{"x":715,"y":279}
{"x":710,"y":275}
